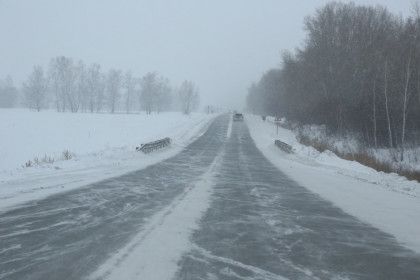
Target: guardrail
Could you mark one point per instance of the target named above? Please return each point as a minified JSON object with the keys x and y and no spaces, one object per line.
{"x":152,"y":146}
{"x":283,"y":146}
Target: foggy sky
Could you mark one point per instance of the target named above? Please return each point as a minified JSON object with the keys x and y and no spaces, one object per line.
{"x":220,"y":45}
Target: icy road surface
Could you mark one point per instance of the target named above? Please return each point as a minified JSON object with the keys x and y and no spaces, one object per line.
{"x":217,"y":210}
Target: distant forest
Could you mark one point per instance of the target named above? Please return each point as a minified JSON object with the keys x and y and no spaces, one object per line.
{"x":358,"y":72}
{"x":76,"y":87}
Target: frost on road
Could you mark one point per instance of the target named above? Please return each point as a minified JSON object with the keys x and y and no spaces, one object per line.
{"x":217,"y":210}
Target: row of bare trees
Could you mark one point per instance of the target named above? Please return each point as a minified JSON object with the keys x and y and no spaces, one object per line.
{"x":359,"y":72}
{"x":75,"y":87}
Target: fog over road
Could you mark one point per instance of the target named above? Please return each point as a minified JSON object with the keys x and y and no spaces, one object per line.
{"x":258,"y":225}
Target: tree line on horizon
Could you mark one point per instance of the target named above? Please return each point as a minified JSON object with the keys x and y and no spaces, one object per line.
{"x":76,"y":87}
{"x":358,"y":72}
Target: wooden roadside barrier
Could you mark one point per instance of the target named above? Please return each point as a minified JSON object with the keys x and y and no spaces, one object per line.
{"x":283,"y":146}
{"x":155,"y":145}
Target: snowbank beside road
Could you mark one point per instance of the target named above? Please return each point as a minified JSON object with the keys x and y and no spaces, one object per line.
{"x":387,"y":201}
{"x":103,"y":144}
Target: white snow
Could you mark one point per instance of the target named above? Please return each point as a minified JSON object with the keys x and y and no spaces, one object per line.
{"x":387,"y":201}
{"x":154,"y":253}
{"x":103,"y":145}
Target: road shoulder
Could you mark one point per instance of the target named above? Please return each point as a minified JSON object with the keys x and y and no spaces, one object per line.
{"x":385,"y":201}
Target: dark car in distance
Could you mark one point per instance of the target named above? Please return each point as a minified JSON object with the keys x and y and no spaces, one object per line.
{"x":238,"y":117}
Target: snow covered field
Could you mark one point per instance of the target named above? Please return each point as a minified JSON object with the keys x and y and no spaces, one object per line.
{"x":387,"y":201}
{"x":103,"y":146}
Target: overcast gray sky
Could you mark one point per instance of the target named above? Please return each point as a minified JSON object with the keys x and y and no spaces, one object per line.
{"x":220,"y":45}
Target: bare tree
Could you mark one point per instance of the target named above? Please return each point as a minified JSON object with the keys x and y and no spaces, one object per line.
{"x":36,"y":89}
{"x":94,"y":88}
{"x":189,"y":97}
{"x":405,"y":99}
{"x":129,"y":83}
{"x":163,"y":97}
{"x":55,"y":85}
{"x":155,"y":93}
{"x":8,"y":93}
{"x":63,"y":75}
{"x":100,"y":94}
{"x":113,"y":88}
{"x":148,"y":89}
{"x":388,"y":119}
{"x":253,"y":100}
{"x":81,"y":86}
{"x":375,"y":141}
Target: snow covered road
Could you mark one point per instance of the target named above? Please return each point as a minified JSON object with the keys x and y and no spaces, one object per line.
{"x":217,"y":210}
{"x":68,"y":235}
{"x":262,"y":225}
